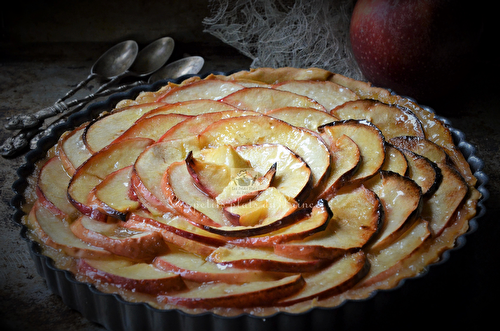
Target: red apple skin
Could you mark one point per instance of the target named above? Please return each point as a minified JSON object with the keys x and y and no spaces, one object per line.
{"x":421,"y":49}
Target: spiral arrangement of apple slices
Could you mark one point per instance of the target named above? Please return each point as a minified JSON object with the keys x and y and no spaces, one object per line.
{"x":268,"y":188}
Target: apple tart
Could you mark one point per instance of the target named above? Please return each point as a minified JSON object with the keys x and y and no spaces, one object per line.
{"x":256,"y":192}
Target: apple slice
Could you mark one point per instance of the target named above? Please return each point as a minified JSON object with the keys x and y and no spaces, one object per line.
{"x":387,"y":261}
{"x":423,"y":171}
{"x":247,"y":214}
{"x":72,"y":150}
{"x":281,"y":212}
{"x":140,"y":277}
{"x":393,"y":120}
{"x":333,"y":280}
{"x":195,"y":268}
{"x":98,"y":166}
{"x":136,"y":245}
{"x":346,"y":159}
{"x":402,"y":201}
{"x":105,"y":129}
{"x":253,"y":294}
{"x":315,"y":222}
{"x":55,"y":232}
{"x":395,"y":160}
{"x":187,"y":200}
{"x":191,"y":108}
{"x":151,"y":166}
{"x":263,"y":259}
{"x":197,"y":124}
{"x":327,"y":93}
{"x":212,"y":89}
{"x":245,"y":186}
{"x":112,"y":196}
{"x":263,"y":99}
{"x":369,"y":139}
{"x":357,"y":217}
{"x":226,"y":155}
{"x":176,"y":231}
{"x":421,"y":146}
{"x":263,"y":129}
{"x":293,"y":176}
{"x":210,"y":178}
{"x":51,"y":188}
{"x":153,"y":127}
{"x":178,"y":225}
{"x":439,"y":208}
{"x":308,"y":118}
{"x":213,"y":168}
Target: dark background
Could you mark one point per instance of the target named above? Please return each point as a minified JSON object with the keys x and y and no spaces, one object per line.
{"x":46,"y":47}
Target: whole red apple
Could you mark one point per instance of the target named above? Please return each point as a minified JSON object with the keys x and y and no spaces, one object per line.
{"x":418,"y":48}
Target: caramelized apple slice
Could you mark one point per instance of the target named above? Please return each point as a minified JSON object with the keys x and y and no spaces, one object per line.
{"x":395,"y":160}
{"x":423,"y":171}
{"x":104,"y":130}
{"x":357,"y":216}
{"x":253,"y":294}
{"x":227,"y":155}
{"x":72,"y":150}
{"x":335,"y":279}
{"x":370,"y":141}
{"x":198,"y":269}
{"x":315,"y":222}
{"x":386,"y":261}
{"x":245,"y":186}
{"x":263,"y":99}
{"x":213,"y":168}
{"x":262,"y":129}
{"x":51,"y":188}
{"x":263,"y":259}
{"x":212,"y":89}
{"x":293,"y":176}
{"x":393,"y":121}
{"x":281,"y":212}
{"x":140,"y":277}
{"x":308,"y":118}
{"x":98,"y":166}
{"x":421,"y":146}
{"x":346,"y":159}
{"x":247,"y":214}
{"x":197,"y":124}
{"x":327,"y":93}
{"x":210,"y":178}
{"x":153,"y":127}
{"x":439,"y":208}
{"x":151,"y":166}
{"x":177,"y":231}
{"x":136,"y":245}
{"x":55,"y":232}
{"x":112,"y":196}
{"x":401,"y":198}
{"x":191,"y":108}
{"x":185,"y":198}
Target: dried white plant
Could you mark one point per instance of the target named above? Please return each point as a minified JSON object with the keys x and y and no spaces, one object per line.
{"x":300,"y":33}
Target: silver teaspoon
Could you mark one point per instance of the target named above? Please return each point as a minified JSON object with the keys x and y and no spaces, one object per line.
{"x":148,"y":60}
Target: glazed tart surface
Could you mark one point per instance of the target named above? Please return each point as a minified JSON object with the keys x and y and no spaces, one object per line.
{"x":262,"y":191}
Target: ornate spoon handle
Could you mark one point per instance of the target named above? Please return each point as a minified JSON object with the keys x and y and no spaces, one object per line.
{"x":25,"y":121}
{"x":13,"y":146}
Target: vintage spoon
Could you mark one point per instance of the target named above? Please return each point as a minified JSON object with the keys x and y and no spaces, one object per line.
{"x":17,"y":144}
{"x":184,"y":66}
{"x":111,"y":64}
{"x":148,"y":61}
